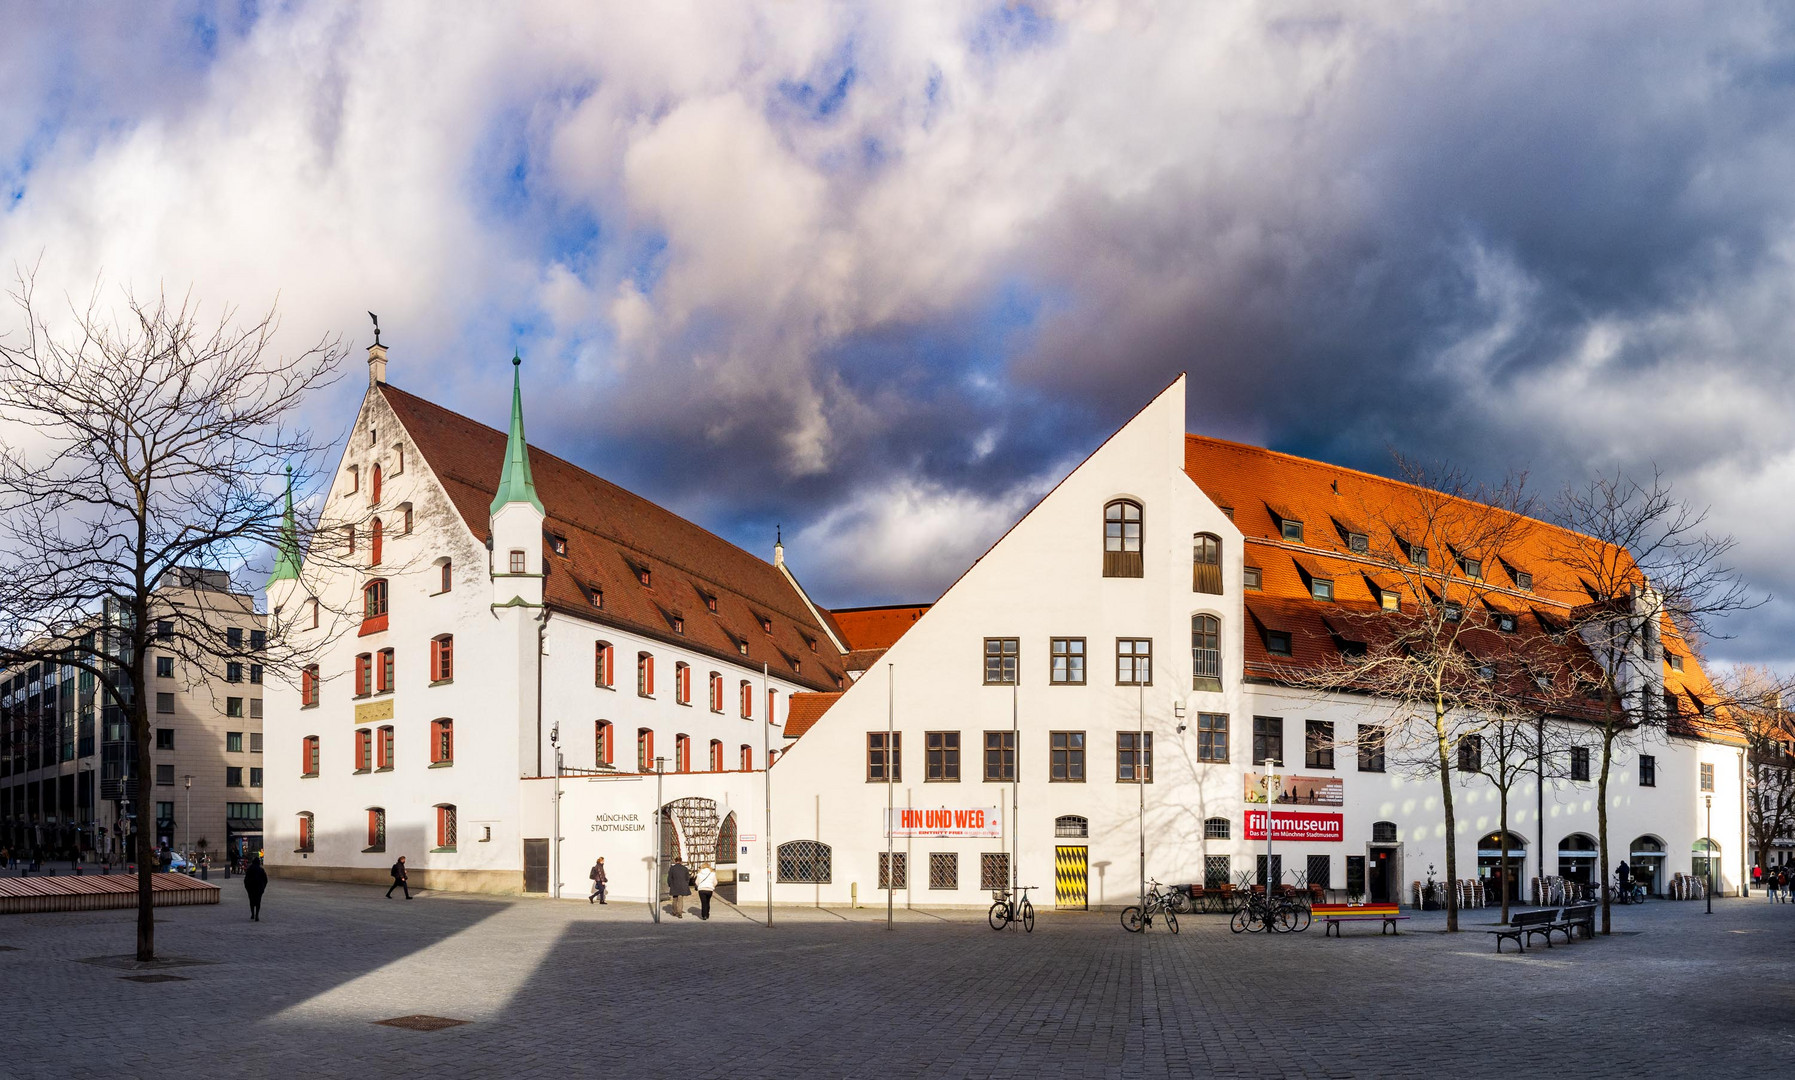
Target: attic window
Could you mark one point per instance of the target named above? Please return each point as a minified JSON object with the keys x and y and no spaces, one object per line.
{"x":1417,"y":554}
{"x":1228,"y":510}
{"x":1542,"y":680}
{"x":1453,"y":611}
{"x":557,"y":544}
{"x":710,"y":602}
{"x":766,"y":624}
{"x":1389,"y":600}
{"x":1473,"y":568}
{"x":1249,"y":578}
{"x":742,"y":647}
{"x":1505,"y":623}
{"x":644,"y":576}
{"x":1277,"y":642}
{"x":1291,"y":530}
{"x":1357,"y":543}
{"x":1321,"y":588}
{"x":596,"y":595}
{"x":679,"y":624}
{"x":810,"y":641}
{"x":1675,"y":660}
{"x":1523,"y":580}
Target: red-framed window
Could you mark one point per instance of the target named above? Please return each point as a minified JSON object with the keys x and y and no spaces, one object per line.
{"x":716,"y":755}
{"x":364,"y":750}
{"x":645,"y":674}
{"x":603,"y":671}
{"x":747,"y":700}
{"x":305,"y":831}
{"x":442,"y":741}
{"x":374,"y":485}
{"x":682,"y":753}
{"x":644,"y":750}
{"x":308,"y":687}
{"x":376,"y":829}
{"x":383,"y":748}
{"x":373,"y":606}
{"x":383,"y":671}
{"x":376,"y":540}
{"x":308,"y":756}
{"x":716,"y":692}
{"x":448,"y":581}
{"x":442,"y":658}
{"x":682,"y":683}
{"x":445,"y":827}
{"x":603,"y":740}
{"x":747,"y":758}
{"x":364,"y":673}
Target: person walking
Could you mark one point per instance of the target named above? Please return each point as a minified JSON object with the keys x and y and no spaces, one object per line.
{"x":707,"y":884}
{"x":399,"y":879}
{"x":597,"y":875}
{"x":679,"y":883}
{"x":255,"y":883}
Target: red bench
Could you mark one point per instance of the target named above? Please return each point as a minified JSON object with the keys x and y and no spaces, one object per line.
{"x":1332,"y":915}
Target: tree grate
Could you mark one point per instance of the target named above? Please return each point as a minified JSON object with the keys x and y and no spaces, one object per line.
{"x":422,"y":1023}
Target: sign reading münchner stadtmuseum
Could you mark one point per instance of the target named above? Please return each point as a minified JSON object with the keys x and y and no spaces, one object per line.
{"x":971,"y":821}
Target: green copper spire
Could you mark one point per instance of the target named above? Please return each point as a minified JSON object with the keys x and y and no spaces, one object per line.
{"x":286,"y":560}
{"x":515,"y":484}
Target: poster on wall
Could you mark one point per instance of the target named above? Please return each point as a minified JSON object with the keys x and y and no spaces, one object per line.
{"x":1328,"y":828}
{"x":945,"y":821}
{"x":1298,"y":790}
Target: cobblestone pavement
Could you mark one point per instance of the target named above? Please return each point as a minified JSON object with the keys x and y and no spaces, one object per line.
{"x":570,"y":989}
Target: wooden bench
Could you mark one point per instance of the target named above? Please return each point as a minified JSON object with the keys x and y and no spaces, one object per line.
{"x":1332,"y":915}
{"x":1522,"y":925}
{"x":1583,"y":915}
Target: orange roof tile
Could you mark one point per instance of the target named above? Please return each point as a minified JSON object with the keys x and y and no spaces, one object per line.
{"x":876,"y":627}
{"x":804,"y":710}
{"x":613,"y":536}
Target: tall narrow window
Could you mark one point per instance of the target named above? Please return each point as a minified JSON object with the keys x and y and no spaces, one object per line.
{"x":1000,"y":756}
{"x":1066,"y":756}
{"x":376,"y":542}
{"x":448,"y":572}
{"x":747,"y":700}
{"x":747,"y":758}
{"x":1580,"y":765}
{"x":942,"y":760}
{"x":383,"y":671}
{"x":442,"y":742}
{"x":374,"y":485}
{"x":682,"y":753}
{"x":1134,"y":662}
{"x":1470,"y":753}
{"x":445,"y":827}
{"x":716,"y":755}
{"x":1206,"y":652}
{"x":364,"y":667}
{"x":602,"y":673}
{"x":644,"y":750}
{"x":1206,"y":563}
{"x":442,"y":658}
{"x":602,"y":739}
{"x":373,"y":606}
{"x":884,"y":760}
{"x":1318,"y":744}
{"x":682,"y":683}
{"x":645,"y":674}
{"x":308,"y":756}
{"x":1707,"y":772}
{"x":1648,"y":771}
{"x":1001,"y":656}
{"x":364,"y":750}
{"x":376,"y":829}
{"x":305,"y":831}
{"x":1122,"y":539}
{"x":1268,"y":740}
{"x":716,"y":692}
{"x":1134,"y":757}
{"x":1068,"y":661}
{"x":383,"y":747}
{"x":1371,"y":748}
{"x":1212,"y":737}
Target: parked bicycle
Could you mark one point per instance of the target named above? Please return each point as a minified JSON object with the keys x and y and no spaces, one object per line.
{"x":1009,"y":910}
{"x":1273,"y":914}
{"x":1135,"y":918}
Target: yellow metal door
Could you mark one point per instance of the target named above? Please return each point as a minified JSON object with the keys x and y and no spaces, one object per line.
{"x":1071,"y":878}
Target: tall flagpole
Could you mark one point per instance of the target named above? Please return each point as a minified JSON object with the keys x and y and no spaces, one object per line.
{"x":1015,"y":778}
{"x":890,"y":763}
{"x":766,"y":764}
{"x":1140,"y":777}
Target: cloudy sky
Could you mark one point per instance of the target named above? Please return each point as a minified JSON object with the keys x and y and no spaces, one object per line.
{"x":883,"y":273}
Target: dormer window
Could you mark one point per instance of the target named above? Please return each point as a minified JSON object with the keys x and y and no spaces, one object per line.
{"x":1452,"y":611}
{"x":643,"y":575}
{"x":1122,"y":539}
{"x":710,"y":603}
{"x":1505,"y":623}
{"x":1277,"y":642}
{"x":1250,"y":578}
{"x":557,"y":544}
{"x":1674,"y":659}
{"x":1389,"y":600}
{"x":1321,"y":588}
{"x":1291,"y":530}
{"x":679,"y":624}
{"x":1523,"y":580}
{"x":810,"y":641}
{"x":1416,"y":553}
{"x":595,"y":596}
{"x":766,"y":624}
{"x":742,"y":647}
{"x":1357,"y":543}
{"x":1472,"y":568}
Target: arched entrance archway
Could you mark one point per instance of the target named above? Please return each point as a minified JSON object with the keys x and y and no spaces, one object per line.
{"x":1577,"y":859}
{"x":1705,"y":859}
{"x":1645,"y":857}
{"x":688,"y":832}
{"x":726,"y":857}
{"x":1489,"y":865}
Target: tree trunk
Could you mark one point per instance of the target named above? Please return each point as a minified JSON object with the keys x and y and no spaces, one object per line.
{"x":1602,"y":831}
{"x":1443,"y":743}
{"x":1503,"y":828}
{"x":146,"y":794}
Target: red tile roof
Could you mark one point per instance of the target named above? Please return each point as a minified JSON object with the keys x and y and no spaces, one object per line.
{"x":805,"y":710}
{"x":613,"y":536}
{"x":876,"y":627}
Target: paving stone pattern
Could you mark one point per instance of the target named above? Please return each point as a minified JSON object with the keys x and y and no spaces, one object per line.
{"x":557,"y":989}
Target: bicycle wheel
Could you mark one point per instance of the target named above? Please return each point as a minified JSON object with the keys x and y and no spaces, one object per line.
{"x":1303,"y":918}
{"x":1172,"y":921}
{"x":1239,"y":922}
{"x":1028,"y":916}
{"x":1131,"y":919}
{"x":1180,"y":902}
{"x":1000,"y":915}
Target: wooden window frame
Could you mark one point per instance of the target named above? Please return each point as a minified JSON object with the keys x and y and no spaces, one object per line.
{"x":939,"y":758}
{"x":1135,"y":659}
{"x":881,"y":758}
{"x":1007,"y":654}
{"x":604,"y":740}
{"x":1212,"y":632}
{"x":442,"y":659}
{"x":645,"y":674}
{"x":604,"y":665}
{"x":310,"y":753}
{"x":1212,"y":732}
{"x":1318,"y":744}
{"x":1373,"y":748}
{"x":1062,"y":649}
{"x":1206,"y":576}
{"x":383,"y":748}
{"x":1134,"y":756}
{"x":1119,"y":561}
{"x":383,"y":671}
{"x":1264,"y":734}
{"x":1067,"y":752}
{"x":999,"y":742}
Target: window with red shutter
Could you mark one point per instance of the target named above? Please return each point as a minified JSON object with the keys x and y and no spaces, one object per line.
{"x":645,"y":674}
{"x":376,"y":540}
{"x":442,"y":658}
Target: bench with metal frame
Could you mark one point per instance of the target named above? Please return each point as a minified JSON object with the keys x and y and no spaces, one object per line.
{"x":1332,"y":915}
{"x":1523,"y":925}
{"x":1576,"y":915}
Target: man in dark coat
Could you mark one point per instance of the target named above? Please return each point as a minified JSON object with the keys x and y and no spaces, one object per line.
{"x":399,"y":881}
{"x":679,"y":883}
{"x":255,"y":883}
{"x":598,"y":881}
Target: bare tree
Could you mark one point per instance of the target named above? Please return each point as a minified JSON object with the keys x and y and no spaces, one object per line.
{"x":158,"y":442}
{"x":1510,"y":747}
{"x":1426,"y":650}
{"x":1650,"y":569}
{"x":1753,"y":711}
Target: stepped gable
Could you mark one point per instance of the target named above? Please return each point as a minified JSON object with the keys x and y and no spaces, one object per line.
{"x":613,"y":536}
{"x":1261,"y":488}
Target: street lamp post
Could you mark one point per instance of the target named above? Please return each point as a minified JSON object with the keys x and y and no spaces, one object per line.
{"x":1140,"y":781}
{"x":654,"y":886}
{"x":187,"y":816}
{"x":1271,"y":790}
{"x":1708,"y":851}
{"x":554,"y":740}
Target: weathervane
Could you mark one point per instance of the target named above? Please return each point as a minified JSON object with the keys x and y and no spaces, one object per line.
{"x":376,"y":319}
